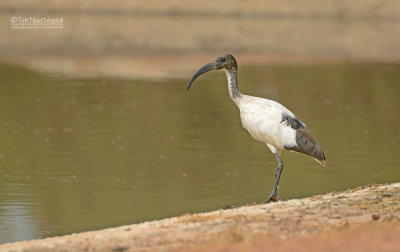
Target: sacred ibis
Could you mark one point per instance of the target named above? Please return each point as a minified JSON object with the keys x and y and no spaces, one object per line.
{"x":266,"y":121}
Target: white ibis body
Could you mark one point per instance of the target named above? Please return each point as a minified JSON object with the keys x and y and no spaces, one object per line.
{"x":267,"y":121}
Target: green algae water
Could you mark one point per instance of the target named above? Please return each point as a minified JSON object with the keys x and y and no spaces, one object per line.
{"x":85,"y":154}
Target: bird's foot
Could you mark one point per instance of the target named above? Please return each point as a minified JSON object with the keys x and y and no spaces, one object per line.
{"x":273,"y":197}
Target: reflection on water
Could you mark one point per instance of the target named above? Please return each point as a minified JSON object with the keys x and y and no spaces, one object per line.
{"x":78,"y":155}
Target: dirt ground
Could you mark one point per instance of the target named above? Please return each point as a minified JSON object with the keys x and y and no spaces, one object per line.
{"x":362,"y":219}
{"x":171,"y":39}
{"x":377,"y":238}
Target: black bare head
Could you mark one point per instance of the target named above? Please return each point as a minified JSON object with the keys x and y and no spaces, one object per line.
{"x":226,"y":61}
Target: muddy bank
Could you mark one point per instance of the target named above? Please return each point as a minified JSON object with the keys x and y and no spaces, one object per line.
{"x":375,"y":238}
{"x":164,"y":39}
{"x":153,"y":67}
{"x":360,"y":208}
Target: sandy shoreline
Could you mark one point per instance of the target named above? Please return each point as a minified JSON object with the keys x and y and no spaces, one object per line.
{"x":357,"y":209}
{"x":167,"y":66}
{"x":170,"y":39}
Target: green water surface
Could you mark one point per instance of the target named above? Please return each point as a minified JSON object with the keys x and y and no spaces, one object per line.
{"x":84,"y":154}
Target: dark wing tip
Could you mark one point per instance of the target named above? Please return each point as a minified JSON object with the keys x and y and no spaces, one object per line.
{"x":306,"y":144}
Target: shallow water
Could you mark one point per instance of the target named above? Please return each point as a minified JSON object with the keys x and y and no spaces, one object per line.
{"x":78,"y":155}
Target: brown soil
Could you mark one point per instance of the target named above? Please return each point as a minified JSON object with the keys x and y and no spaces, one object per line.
{"x":171,"y":39}
{"x":366,"y":217}
{"x":379,"y":238}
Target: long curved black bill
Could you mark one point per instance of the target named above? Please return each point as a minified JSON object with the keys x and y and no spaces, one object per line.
{"x":201,"y":71}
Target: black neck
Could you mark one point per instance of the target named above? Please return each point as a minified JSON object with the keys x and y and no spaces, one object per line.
{"x":231,"y":75}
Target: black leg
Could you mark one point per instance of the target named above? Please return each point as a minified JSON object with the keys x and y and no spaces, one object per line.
{"x":274,"y":195}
